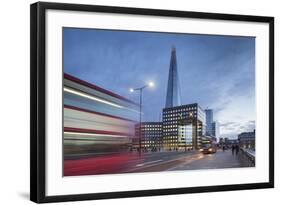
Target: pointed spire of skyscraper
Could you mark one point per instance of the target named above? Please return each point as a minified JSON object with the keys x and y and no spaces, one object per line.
{"x":173,"y":97}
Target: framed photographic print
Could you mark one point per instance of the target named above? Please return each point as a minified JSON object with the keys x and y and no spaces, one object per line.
{"x":129,"y":102}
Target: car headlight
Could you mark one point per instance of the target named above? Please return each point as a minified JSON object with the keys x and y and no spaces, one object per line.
{"x":201,"y":150}
{"x":210,"y":149}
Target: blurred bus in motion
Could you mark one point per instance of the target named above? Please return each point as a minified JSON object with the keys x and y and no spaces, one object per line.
{"x":98,"y":128}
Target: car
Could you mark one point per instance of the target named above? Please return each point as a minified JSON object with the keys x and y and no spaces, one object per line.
{"x":208,"y":149}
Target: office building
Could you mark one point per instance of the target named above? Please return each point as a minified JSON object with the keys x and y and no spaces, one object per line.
{"x":183,"y":126}
{"x":215,"y":132}
{"x":212,"y":127}
{"x":209,"y":122}
{"x":151,"y":136}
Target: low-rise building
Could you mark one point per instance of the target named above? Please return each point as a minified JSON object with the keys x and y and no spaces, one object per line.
{"x":247,"y":140}
{"x":151,"y":136}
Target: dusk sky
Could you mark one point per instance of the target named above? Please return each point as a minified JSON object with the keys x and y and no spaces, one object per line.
{"x":217,"y":72}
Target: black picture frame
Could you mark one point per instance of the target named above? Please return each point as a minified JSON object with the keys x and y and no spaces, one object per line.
{"x":38,"y":101}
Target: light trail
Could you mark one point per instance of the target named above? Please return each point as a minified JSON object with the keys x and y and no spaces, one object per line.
{"x":91,"y":97}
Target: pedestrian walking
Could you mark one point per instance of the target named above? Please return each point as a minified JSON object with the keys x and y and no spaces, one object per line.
{"x":237,"y":149}
{"x":232,"y":149}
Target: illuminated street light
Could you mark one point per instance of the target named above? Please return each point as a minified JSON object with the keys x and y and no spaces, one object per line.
{"x":151,"y":84}
{"x":140,"y":89}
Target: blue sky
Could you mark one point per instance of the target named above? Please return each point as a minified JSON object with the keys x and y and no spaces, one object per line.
{"x":218,"y":72}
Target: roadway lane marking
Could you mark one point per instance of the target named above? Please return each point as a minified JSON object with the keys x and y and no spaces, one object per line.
{"x":186,"y":162}
{"x":150,"y":165}
{"x":146,"y":163}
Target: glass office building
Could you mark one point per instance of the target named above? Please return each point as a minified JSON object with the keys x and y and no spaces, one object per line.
{"x":183,"y":125}
{"x":216,"y":129}
{"x":209,"y":122}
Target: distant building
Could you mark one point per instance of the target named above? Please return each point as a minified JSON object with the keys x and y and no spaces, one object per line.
{"x":212,"y":127}
{"x":232,"y":142}
{"x":221,"y":140}
{"x":151,"y":135}
{"x":247,"y":140}
{"x":209,"y":121}
{"x":228,"y":142}
{"x":215,"y":132}
{"x":183,"y":126}
{"x":173,"y":97}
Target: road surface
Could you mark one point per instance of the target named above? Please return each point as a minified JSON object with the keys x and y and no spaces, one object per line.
{"x":150,"y":162}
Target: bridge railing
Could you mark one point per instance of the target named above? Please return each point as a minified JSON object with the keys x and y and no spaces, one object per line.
{"x":247,"y":157}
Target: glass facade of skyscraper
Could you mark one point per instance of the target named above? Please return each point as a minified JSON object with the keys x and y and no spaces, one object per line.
{"x":215,"y":129}
{"x":209,"y":122}
{"x":173,"y":97}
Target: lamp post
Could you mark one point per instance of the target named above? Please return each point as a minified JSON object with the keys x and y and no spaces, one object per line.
{"x":140,"y":89}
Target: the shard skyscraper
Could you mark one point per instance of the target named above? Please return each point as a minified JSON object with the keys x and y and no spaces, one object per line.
{"x":173,"y":97}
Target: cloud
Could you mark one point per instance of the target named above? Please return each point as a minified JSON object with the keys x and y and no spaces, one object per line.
{"x":227,"y":124}
{"x":232,"y":129}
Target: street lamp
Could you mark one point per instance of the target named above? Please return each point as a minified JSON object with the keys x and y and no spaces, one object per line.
{"x":140,"y":89}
